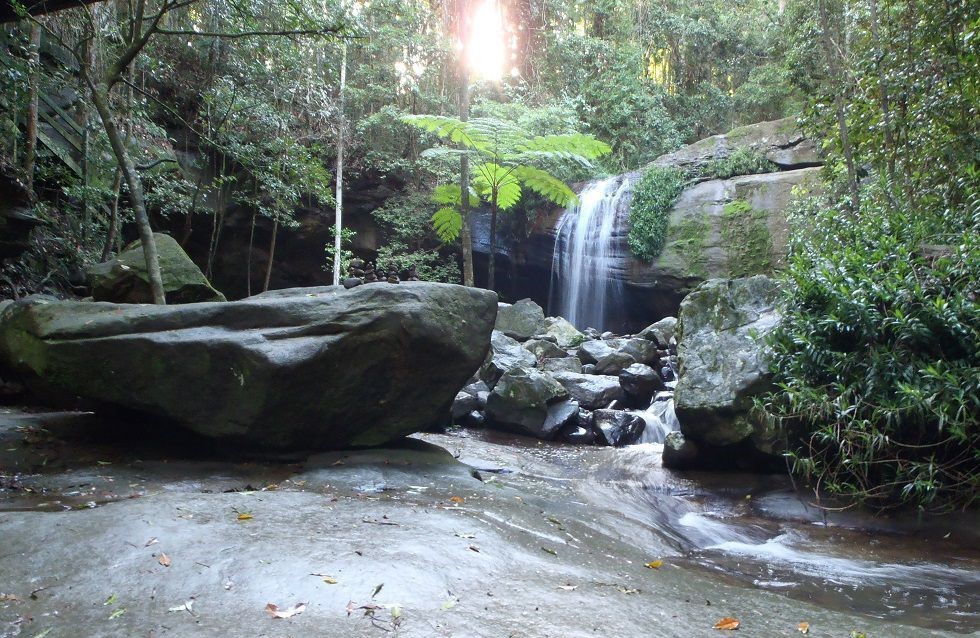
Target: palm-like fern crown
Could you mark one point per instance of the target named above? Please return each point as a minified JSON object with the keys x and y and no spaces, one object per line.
{"x":507,"y":159}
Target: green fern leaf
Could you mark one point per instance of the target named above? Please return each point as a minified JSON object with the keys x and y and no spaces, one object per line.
{"x":447,"y":222}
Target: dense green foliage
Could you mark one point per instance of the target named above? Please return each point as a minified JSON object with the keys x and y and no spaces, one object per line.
{"x":649,"y":217}
{"x":878,"y":361}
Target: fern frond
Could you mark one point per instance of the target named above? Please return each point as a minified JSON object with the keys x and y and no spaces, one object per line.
{"x":447,"y":222}
{"x":581,"y":144}
{"x":451,"y":128}
{"x":545,"y":184}
{"x":489,"y":178}
{"x":449,"y":195}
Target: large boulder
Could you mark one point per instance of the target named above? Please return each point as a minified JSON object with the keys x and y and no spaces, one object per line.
{"x":591,"y":390}
{"x":640,"y":382}
{"x":566,"y":335}
{"x":505,"y":354}
{"x":724,"y":362}
{"x":521,"y":320}
{"x":125,"y":279}
{"x":331,"y":368}
{"x":522,"y":399}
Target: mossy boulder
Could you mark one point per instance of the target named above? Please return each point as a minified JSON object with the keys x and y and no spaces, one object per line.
{"x":125,"y":279}
{"x":724,"y":363}
{"x":319,"y":369}
{"x":522,"y":401}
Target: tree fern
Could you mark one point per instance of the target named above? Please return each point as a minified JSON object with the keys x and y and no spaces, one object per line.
{"x":447,"y":222}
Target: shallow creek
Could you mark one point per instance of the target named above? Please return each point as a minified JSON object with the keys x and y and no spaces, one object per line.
{"x":522,"y":538}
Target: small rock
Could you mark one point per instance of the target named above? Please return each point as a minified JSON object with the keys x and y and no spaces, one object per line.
{"x":565,"y":364}
{"x":591,"y":391}
{"x":660,"y":332}
{"x":640,"y":382}
{"x":352,"y":282}
{"x":614,"y":363}
{"x":463,"y":404}
{"x":544,"y":349}
{"x":679,"y":453}
{"x":566,"y":335}
{"x":521,"y":320}
{"x":617,"y":428}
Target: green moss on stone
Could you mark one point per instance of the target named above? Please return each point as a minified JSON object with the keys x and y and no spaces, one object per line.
{"x":689,"y":238}
{"x":746,"y":237}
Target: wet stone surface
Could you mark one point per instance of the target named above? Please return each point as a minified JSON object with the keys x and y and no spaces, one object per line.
{"x":108,"y":531}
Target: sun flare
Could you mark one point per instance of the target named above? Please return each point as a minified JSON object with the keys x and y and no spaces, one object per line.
{"x":486,"y":50}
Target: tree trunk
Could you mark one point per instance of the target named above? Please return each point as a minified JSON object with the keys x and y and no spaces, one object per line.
{"x":110,"y":237}
{"x":491,"y":265}
{"x":836,"y":75}
{"x":466,"y":234}
{"x":339,"y":197}
{"x":34,"y":78}
{"x":100,"y":98}
{"x":272,"y":255}
{"x":883,"y":99}
{"x":248,"y":262}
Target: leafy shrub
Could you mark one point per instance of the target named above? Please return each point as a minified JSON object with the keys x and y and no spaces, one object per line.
{"x":649,"y":214}
{"x":878,"y":358}
{"x":742,"y":161}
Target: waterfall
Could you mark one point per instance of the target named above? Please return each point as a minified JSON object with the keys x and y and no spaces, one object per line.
{"x":582,"y":287}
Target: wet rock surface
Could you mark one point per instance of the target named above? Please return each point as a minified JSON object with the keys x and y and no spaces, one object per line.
{"x":462,"y":535}
{"x":292,"y":370}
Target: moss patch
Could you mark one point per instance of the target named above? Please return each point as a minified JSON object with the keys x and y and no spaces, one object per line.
{"x":746,"y":237}
{"x":688,"y":239}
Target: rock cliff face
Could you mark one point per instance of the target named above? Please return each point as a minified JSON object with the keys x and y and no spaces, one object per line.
{"x":724,"y":228}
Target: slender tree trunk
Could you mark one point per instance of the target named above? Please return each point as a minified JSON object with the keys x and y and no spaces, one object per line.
{"x":110,"y":237}
{"x":339,"y":213}
{"x":883,"y":98}
{"x":100,"y":98}
{"x":491,"y":266}
{"x":272,"y":255}
{"x":34,"y":79}
{"x":466,"y":233}
{"x":836,"y":77}
{"x":248,"y":262}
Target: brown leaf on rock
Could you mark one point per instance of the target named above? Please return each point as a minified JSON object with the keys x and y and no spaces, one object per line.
{"x":164,"y":560}
{"x":727,"y":623}
{"x":273,"y":610}
{"x":803,"y":627}
{"x":654,"y":564}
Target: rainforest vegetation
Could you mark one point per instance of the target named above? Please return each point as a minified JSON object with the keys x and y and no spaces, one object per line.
{"x":231,"y":125}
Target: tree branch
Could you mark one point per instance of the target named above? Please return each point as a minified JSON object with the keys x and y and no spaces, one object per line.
{"x":326,"y":31}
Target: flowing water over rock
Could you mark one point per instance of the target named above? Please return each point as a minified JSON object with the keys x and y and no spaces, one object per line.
{"x":471,"y":533}
{"x":582,"y":288}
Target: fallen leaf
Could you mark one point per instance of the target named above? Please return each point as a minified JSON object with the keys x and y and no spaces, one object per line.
{"x":164,"y":560}
{"x":655,"y":564}
{"x":377,"y":590}
{"x":627,"y":590}
{"x":568,"y":587}
{"x":111,"y":600}
{"x":116,"y":614}
{"x":456,"y":499}
{"x":803,"y":627}
{"x":273,"y":610}
{"x":727,"y":623}
{"x":466,"y":535}
{"x":44,"y":633}
{"x":858,"y":634}
{"x":330,"y":580}
{"x":474,"y":548}
{"x":244,"y":516}
{"x":188,"y":606}
{"x":104,"y":462}
{"x":549,"y":550}
{"x":449,"y":604}
{"x":9,"y":597}
{"x":351,"y":606}
{"x":152,"y":541}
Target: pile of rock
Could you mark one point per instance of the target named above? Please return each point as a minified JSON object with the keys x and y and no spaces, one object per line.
{"x":366,"y":272}
{"x":546,"y":379}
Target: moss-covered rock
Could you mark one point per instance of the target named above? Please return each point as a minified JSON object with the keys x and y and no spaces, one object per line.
{"x":125,"y":279}
{"x":322,"y":368}
{"x":724,"y":363}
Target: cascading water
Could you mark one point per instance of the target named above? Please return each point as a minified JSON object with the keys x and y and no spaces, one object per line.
{"x":583,"y":289}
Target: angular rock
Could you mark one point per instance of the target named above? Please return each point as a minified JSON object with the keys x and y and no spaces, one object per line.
{"x":591,"y":390}
{"x":463,"y":404}
{"x":641,"y":350}
{"x":505,"y":354}
{"x":542,"y":349}
{"x":566,"y":335}
{"x":660,"y":332}
{"x":679,"y":453}
{"x":343,"y":368}
{"x":640,"y":382}
{"x":560,"y":416}
{"x":125,"y":279}
{"x":593,"y":350}
{"x":520,"y":402}
{"x":617,"y":428}
{"x":565,"y":364}
{"x":724,"y":361}
{"x":521,"y":321}
{"x":614,"y":363}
